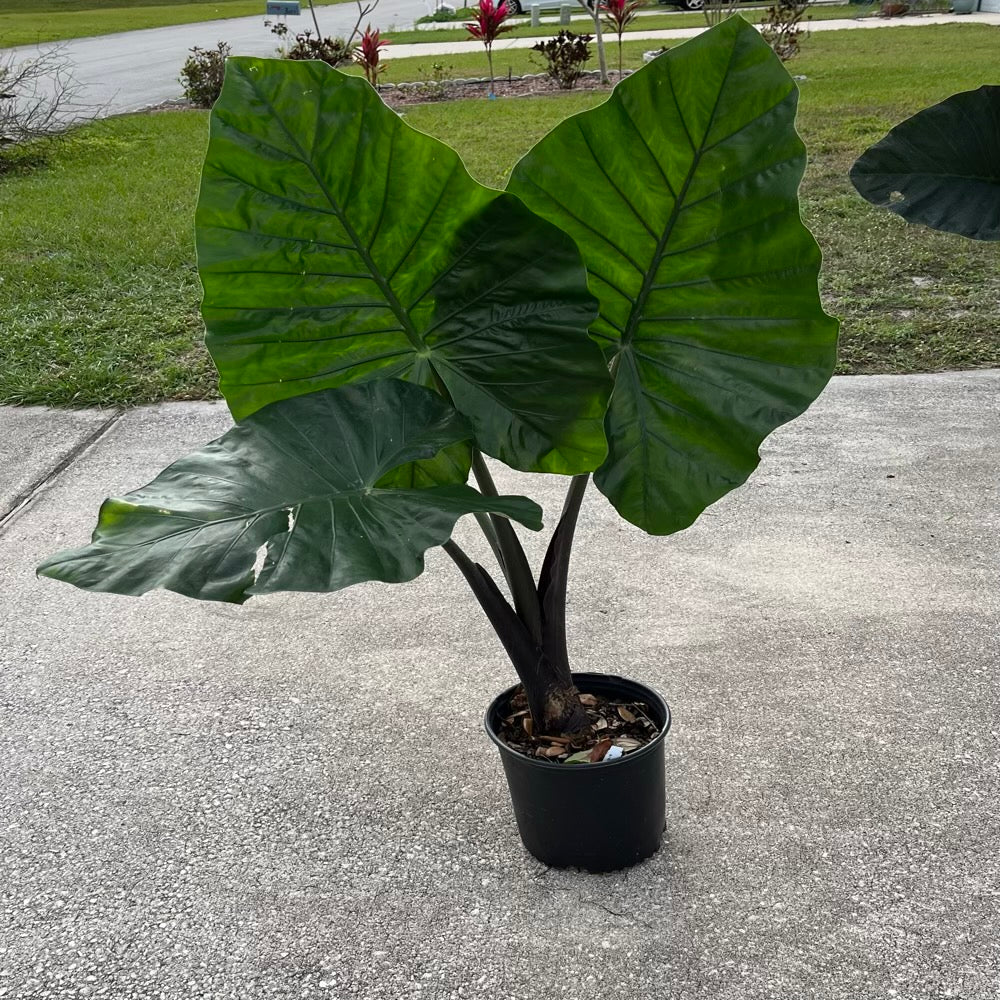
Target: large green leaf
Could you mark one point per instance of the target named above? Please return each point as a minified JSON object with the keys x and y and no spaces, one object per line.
{"x":336,"y":244}
{"x":941,"y":167}
{"x":681,"y":193}
{"x":296,"y":484}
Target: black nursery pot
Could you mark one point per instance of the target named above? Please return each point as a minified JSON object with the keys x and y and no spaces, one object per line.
{"x":599,"y":817}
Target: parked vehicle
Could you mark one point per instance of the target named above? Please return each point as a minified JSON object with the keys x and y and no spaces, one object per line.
{"x":524,"y":6}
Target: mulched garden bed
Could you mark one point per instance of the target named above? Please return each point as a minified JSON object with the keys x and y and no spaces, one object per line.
{"x":398,"y":95}
{"x":532,"y":85}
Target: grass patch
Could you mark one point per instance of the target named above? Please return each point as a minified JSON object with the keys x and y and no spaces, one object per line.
{"x":99,"y":292}
{"x":65,"y":19}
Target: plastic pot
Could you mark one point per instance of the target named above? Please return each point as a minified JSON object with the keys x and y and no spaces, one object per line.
{"x":599,"y":817}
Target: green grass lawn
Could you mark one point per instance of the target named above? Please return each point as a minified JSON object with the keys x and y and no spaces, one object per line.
{"x":99,"y":293}
{"x":24,"y":22}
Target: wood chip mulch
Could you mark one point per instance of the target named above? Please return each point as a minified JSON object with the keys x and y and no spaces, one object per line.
{"x":625,"y":725}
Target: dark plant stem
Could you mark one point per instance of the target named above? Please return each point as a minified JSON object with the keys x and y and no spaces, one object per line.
{"x":533,"y":632}
{"x":554,"y":577}
{"x":553,"y":699}
{"x":513,"y":560}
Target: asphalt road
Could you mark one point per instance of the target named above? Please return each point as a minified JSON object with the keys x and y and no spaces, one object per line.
{"x":138,"y":69}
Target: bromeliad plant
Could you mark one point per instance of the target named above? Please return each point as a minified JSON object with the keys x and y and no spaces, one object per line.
{"x":382,"y":322}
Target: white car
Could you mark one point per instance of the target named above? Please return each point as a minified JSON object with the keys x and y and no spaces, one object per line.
{"x":524,"y":6}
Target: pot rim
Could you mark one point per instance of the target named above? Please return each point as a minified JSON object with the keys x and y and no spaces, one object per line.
{"x":582,"y":677}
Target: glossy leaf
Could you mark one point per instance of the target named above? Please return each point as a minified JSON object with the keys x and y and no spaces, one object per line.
{"x":337,"y":244}
{"x":941,"y":167}
{"x":709,"y":309}
{"x":294,"y":489}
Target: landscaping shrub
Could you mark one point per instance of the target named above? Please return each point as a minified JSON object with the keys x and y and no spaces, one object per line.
{"x":202,"y":74}
{"x":781,"y":27}
{"x":368,"y":55}
{"x":488,"y":26}
{"x":333,"y":51}
{"x":434,"y":87}
{"x":619,"y":14}
{"x":566,"y":54}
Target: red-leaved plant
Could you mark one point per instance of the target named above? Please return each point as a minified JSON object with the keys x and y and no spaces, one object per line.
{"x":367,"y":56}
{"x":488,"y":26}
{"x":618,"y":15}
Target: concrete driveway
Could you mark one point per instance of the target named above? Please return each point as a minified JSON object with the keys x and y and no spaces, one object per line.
{"x":295,"y":799}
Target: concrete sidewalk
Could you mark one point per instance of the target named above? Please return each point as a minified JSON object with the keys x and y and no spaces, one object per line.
{"x":505,"y":44}
{"x":295,"y":799}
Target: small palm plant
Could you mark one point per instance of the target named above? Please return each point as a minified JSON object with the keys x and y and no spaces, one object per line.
{"x":368,"y":56}
{"x":488,"y":27}
{"x":618,"y":15}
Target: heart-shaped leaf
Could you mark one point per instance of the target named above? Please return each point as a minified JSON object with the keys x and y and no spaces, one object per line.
{"x":941,"y":167}
{"x":336,"y":244}
{"x":294,"y":485}
{"x":710,"y":314}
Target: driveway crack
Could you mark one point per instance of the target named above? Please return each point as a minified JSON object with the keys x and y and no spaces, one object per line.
{"x":27,"y":496}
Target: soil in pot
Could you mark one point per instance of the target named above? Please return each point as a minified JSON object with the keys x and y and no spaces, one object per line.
{"x":617,"y":727}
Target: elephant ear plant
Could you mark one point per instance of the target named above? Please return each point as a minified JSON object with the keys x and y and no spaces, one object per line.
{"x":639,"y":306}
{"x":941,"y":167}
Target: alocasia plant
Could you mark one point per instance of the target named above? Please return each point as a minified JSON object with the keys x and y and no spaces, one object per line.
{"x":381,"y":322}
{"x":941,"y":167}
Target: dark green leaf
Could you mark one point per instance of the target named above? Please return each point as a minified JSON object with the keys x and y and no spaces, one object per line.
{"x":296,"y":486}
{"x":710,"y":313}
{"x":941,"y":167}
{"x":336,"y":244}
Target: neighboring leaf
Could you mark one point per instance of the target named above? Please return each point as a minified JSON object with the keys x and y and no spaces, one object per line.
{"x":941,"y":167}
{"x":337,"y":244}
{"x":710,"y":314}
{"x":295,"y":483}
{"x":581,"y":757}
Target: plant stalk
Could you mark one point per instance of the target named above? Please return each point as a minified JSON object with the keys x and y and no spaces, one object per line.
{"x":312,"y":10}
{"x":599,"y":37}
{"x":513,"y":561}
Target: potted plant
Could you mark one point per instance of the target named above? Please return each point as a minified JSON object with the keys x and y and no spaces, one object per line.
{"x":639,"y":307}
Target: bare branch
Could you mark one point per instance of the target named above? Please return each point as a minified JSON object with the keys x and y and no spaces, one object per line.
{"x":40,"y":97}
{"x":364,"y":9}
